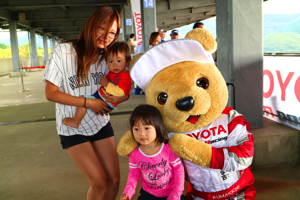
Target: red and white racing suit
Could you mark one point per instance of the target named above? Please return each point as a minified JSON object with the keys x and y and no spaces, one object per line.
{"x":232,"y":152}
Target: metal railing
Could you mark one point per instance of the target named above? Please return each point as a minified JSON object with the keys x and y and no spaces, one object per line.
{"x":283,"y":54}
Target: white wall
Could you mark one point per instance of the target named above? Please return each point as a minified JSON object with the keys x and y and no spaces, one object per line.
{"x":6,"y":64}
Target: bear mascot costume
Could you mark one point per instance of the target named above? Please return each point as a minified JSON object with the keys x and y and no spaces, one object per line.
{"x":179,"y":78}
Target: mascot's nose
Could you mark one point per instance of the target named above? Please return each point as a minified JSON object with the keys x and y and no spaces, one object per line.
{"x":185,"y":104}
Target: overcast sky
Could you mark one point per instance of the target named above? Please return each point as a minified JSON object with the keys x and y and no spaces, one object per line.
{"x":281,"y":6}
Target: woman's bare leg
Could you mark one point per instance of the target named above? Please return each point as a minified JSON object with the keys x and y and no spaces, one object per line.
{"x":85,"y":158}
{"x":107,"y":153}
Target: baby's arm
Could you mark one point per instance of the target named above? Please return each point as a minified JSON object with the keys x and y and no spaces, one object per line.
{"x":178,"y":174}
{"x":104,"y":81}
{"x":115,"y":90}
{"x":123,"y":87}
{"x":111,"y":88}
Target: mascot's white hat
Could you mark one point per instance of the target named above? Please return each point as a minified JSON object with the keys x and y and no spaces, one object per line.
{"x":165,"y":54}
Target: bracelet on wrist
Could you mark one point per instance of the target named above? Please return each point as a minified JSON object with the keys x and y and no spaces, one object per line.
{"x":84,"y":105}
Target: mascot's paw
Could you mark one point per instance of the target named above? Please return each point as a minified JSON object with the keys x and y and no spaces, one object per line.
{"x":126,"y":144}
{"x":191,"y":149}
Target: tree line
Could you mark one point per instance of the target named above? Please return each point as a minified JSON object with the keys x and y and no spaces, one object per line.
{"x":282,"y":43}
{"x":5,"y":50}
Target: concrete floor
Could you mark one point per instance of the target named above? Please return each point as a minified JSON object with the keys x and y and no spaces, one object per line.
{"x":34,"y":166}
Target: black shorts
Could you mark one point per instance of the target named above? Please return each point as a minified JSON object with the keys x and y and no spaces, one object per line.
{"x":146,"y":196}
{"x":69,"y":141}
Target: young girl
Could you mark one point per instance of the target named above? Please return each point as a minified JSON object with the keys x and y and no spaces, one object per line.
{"x":73,"y":70}
{"x":162,"y":171}
{"x":117,"y":82}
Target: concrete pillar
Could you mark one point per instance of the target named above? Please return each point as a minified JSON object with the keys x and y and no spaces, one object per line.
{"x":148,"y":11}
{"x":121,"y":35}
{"x":45,"y":42}
{"x":49,"y":42}
{"x":14,"y":46}
{"x":53,"y":42}
{"x":240,"y":54}
{"x":128,"y":29}
{"x":33,"y":48}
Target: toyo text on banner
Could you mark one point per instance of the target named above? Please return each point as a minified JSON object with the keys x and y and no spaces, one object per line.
{"x":136,"y":9}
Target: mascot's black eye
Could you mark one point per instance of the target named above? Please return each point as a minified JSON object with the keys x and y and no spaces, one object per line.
{"x":202,"y":82}
{"x":162,"y":98}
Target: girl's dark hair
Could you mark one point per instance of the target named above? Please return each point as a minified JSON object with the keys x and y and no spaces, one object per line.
{"x":153,"y":37}
{"x":149,"y":115}
{"x":119,"y":47}
{"x":86,"y":47}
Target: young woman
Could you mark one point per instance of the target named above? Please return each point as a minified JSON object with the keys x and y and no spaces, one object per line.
{"x":154,"y":39}
{"x":74,"y":69}
{"x":160,"y":170}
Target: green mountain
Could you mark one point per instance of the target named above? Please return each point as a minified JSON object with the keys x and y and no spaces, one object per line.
{"x":282,"y":43}
{"x":275,"y":23}
{"x":292,"y":27}
{"x":281,"y":33}
{"x":24,"y":39}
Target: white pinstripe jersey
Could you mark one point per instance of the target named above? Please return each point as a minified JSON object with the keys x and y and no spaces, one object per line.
{"x":61,"y":71}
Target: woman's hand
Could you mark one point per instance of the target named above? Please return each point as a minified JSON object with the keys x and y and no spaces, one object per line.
{"x":113,"y":99}
{"x":53,"y":94}
{"x":124,"y":197}
{"x":97,"y":105}
{"x":104,"y":81}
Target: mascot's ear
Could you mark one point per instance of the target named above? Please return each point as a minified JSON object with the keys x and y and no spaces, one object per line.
{"x":134,"y":59}
{"x":204,"y":37}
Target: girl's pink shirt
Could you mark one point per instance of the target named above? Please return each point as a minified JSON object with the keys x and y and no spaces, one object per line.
{"x":162,"y":173}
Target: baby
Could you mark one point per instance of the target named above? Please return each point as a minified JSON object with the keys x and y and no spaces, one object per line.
{"x":117,"y":82}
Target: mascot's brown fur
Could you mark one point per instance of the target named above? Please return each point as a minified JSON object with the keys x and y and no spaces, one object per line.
{"x":214,"y":142}
{"x":178,"y":81}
